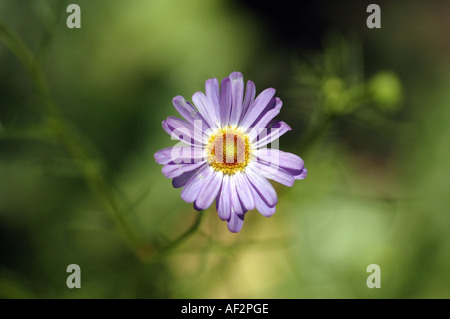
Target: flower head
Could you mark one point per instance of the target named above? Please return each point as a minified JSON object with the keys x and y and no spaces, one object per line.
{"x":222,"y":154}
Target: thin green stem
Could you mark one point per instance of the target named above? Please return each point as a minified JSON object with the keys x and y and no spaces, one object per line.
{"x":71,"y":142}
{"x":188,"y":233}
{"x":316,"y":130}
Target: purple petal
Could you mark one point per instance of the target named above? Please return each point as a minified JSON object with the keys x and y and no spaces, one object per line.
{"x":257,"y":107}
{"x":260,"y":128}
{"x":272,"y":110}
{"x":179,"y":154}
{"x":223,"y":202}
{"x":205,"y":108}
{"x":172,"y":170}
{"x":262,"y":185}
{"x":186,"y":110}
{"x":163,"y":156}
{"x":237,"y":95}
{"x":225,"y":101}
{"x":235,"y":223}
{"x":277,"y":129}
{"x":181,"y":180}
{"x":302,"y":175}
{"x":261,"y":205}
{"x":275,"y":173}
{"x":248,"y":99}
{"x":209,"y":191}
{"x":236,"y":205}
{"x":183,"y":131}
{"x":279,"y":158}
{"x":212,"y":94}
{"x":194,"y":185}
{"x":244,"y":191}
{"x":180,"y":133}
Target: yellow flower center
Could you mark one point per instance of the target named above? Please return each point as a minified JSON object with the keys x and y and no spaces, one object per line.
{"x":228,"y":150}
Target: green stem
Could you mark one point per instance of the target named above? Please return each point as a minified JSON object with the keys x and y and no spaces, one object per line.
{"x":316,"y":130}
{"x":71,"y":142}
{"x":188,"y":233}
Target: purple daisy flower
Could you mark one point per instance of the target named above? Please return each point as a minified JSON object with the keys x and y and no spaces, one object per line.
{"x":222,"y":154}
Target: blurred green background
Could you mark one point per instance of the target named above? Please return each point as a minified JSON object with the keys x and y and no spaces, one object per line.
{"x":370,"y":112}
